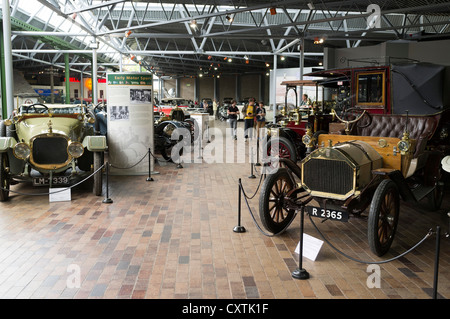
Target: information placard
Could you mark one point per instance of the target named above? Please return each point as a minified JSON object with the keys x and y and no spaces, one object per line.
{"x":130,"y":122}
{"x":311,"y":247}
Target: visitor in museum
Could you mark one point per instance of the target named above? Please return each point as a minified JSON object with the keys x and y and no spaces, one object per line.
{"x":249,"y":119}
{"x":306,"y":102}
{"x":260,"y":117}
{"x":233,"y":112}
{"x":215,"y":106}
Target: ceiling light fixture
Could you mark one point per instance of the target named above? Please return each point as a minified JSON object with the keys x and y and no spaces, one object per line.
{"x":311,"y":6}
{"x":229,"y":18}
{"x":127,"y":33}
{"x":193,"y":24}
{"x":282,"y":58}
{"x":230,"y":60}
{"x":319,"y":40}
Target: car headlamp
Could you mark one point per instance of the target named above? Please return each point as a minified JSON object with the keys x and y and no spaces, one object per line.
{"x":404,"y":145}
{"x":168,"y":129}
{"x":306,"y":139}
{"x":75,"y":149}
{"x":21,"y":151}
{"x":274,"y":132}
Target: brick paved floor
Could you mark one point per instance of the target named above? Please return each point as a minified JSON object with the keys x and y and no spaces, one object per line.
{"x":173,"y":238}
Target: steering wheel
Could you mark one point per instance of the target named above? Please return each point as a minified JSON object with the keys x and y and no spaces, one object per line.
{"x":352,"y":116}
{"x":27,"y":108}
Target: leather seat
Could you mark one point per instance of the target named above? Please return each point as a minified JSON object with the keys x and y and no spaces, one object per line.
{"x":421,"y":128}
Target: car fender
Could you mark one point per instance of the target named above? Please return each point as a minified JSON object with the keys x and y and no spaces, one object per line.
{"x":95,"y":143}
{"x":7,"y":143}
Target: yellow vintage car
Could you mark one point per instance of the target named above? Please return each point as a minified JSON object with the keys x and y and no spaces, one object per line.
{"x":370,"y":166}
{"x":50,"y":145}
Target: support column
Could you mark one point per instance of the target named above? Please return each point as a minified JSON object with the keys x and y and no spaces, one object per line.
{"x":274,"y":87}
{"x":9,"y":78}
{"x":302,"y":66}
{"x":4,"y":113}
{"x":67,"y":74}
{"x":94,"y":76}
{"x":52,"y":86}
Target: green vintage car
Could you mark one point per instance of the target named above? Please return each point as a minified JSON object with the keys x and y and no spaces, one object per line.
{"x":50,"y":145}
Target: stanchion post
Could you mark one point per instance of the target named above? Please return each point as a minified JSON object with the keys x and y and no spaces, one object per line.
{"x":150,"y":178}
{"x":436,"y":261}
{"x":257,"y":153}
{"x":239,"y":228}
{"x":107,"y":200}
{"x":301,"y":273}
{"x":251,"y":164}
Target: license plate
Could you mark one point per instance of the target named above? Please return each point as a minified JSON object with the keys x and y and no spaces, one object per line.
{"x":57,"y":180}
{"x":327,"y":213}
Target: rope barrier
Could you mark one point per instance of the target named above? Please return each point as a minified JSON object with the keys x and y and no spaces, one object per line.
{"x":61,"y":190}
{"x":321,"y":234}
{"x":371,"y":262}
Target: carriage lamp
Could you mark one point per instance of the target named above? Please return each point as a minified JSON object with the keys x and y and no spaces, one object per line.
{"x":21,"y":151}
{"x":75,"y":149}
{"x":307,"y":139}
{"x":404,"y":145}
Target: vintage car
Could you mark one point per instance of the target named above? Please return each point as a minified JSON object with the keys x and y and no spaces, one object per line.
{"x":372,"y":166}
{"x":386,"y":89}
{"x":165,"y":127}
{"x":50,"y":144}
{"x":284,"y":137}
{"x":167,"y":104}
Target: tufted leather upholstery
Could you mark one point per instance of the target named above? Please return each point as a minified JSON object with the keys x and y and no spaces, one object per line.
{"x":421,"y":128}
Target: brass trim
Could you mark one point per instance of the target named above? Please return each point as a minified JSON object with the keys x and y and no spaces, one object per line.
{"x":50,"y":166}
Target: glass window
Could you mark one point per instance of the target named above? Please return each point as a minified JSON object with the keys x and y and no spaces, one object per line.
{"x":371,"y":89}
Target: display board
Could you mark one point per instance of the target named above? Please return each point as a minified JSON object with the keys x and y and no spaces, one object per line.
{"x":130,"y":122}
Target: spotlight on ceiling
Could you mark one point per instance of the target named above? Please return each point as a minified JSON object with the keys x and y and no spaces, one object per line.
{"x":319,"y":40}
{"x":127,"y":33}
{"x":311,"y":6}
{"x":229,"y":18}
{"x":193,"y":24}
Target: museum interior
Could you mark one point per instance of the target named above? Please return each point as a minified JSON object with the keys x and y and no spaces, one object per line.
{"x":237,"y":152}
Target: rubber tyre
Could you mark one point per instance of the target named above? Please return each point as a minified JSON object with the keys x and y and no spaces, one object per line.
{"x":274,"y":216}
{"x":4,"y":178}
{"x":285,"y":150}
{"x":383,"y":217}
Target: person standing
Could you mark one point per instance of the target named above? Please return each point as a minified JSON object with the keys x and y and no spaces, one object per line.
{"x":233,"y":112}
{"x":215,"y":109}
{"x":249,"y":118}
{"x":260,"y":117}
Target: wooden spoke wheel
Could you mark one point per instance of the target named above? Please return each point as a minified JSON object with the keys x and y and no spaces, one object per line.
{"x":383,"y":217}
{"x":272,"y":210}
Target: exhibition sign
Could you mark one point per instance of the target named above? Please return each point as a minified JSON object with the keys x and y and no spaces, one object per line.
{"x":130,"y":122}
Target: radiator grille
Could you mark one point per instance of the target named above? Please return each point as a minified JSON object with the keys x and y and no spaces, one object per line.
{"x":329,"y":176}
{"x":50,"y":150}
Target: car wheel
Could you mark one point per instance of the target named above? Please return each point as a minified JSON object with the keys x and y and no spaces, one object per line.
{"x":274,"y":216}
{"x":281,"y":146}
{"x":4,"y":178}
{"x":383,"y":217}
{"x":98,"y":177}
